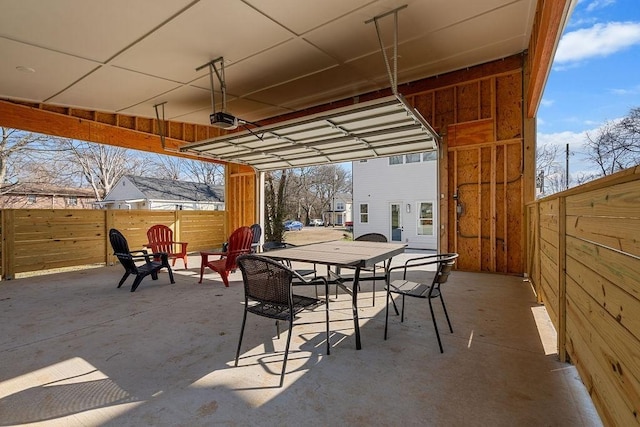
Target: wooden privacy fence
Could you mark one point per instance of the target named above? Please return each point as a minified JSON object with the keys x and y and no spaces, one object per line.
{"x":584,"y":262}
{"x":43,"y":239}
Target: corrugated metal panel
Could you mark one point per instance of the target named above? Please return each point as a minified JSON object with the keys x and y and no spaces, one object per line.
{"x":379,"y":128}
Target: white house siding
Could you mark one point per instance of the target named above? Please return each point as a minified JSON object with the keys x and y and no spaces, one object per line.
{"x":127,"y":195}
{"x":380,"y":184}
{"x":125,"y":190}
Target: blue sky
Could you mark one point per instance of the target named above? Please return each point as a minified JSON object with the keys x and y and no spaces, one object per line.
{"x":595,"y":75}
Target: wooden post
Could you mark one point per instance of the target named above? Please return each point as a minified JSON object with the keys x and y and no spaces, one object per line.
{"x":109,"y":223}
{"x":177,"y":229}
{"x":8,"y":247}
{"x":562,"y":279}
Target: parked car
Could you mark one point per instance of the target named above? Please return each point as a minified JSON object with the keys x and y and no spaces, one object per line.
{"x":292,"y":226}
{"x":317,"y":222}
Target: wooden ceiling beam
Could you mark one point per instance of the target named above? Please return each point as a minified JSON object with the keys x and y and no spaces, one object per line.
{"x":550,"y":20}
{"x":136,"y":133}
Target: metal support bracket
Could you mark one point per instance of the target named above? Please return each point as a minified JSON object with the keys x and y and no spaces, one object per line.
{"x":161,"y":123}
{"x":393,"y":75}
{"x":216,"y":67}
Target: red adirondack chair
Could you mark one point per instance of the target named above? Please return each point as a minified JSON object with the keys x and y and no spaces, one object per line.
{"x":161,"y":240}
{"x":239,"y":243}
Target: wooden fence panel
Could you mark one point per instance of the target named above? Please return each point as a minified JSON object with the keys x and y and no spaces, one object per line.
{"x":45,"y":239}
{"x":203,"y":230}
{"x":596,"y":228}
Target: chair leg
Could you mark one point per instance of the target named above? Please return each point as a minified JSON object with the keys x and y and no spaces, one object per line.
{"x":435,"y":325}
{"x":136,"y":283}
{"x":386,"y":314}
{"x":244,"y":321}
{"x":286,"y":352}
{"x":126,"y":274}
{"x":402,"y":315}
{"x":201,"y":272}
{"x":444,"y":307}
{"x":170,"y":271}
{"x":326,"y":310}
{"x":225,"y":278}
{"x":374,"y":289}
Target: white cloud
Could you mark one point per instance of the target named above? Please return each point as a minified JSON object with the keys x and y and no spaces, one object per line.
{"x":547,"y":102}
{"x":574,"y":139}
{"x":599,"y":40}
{"x":629,"y":91}
{"x":599,"y":4}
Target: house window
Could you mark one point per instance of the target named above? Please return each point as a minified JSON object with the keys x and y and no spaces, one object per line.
{"x":395,"y":160}
{"x":425,"y":220}
{"x":364,"y":213}
{"x":31,"y":198}
{"x":429,"y":156}
{"x":339,"y":206}
{"x":413,"y":158}
{"x":72,"y":201}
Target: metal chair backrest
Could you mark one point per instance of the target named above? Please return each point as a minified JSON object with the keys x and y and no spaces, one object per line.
{"x":445,"y":265}
{"x":256,"y":229}
{"x":443,"y":270}
{"x":267,"y":281}
{"x":372,"y":237}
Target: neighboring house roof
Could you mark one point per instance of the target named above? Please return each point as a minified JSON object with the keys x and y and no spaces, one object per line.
{"x":168,"y":189}
{"x":345,"y":197}
{"x":44,"y":189}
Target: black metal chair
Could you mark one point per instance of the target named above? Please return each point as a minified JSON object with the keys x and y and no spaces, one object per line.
{"x":419,"y":289}
{"x":371,"y":237}
{"x":129,"y":258}
{"x":268,"y":292}
{"x":256,"y":229}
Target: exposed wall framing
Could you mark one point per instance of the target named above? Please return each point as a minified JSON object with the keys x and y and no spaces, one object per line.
{"x":479,"y":114}
{"x":241,"y":196}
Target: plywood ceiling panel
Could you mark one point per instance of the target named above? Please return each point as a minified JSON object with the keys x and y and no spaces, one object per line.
{"x":88,"y":29}
{"x":126,"y":56}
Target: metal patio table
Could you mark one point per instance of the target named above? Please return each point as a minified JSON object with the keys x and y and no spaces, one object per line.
{"x":342,"y":253}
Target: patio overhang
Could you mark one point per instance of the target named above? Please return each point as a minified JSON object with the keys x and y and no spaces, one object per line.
{"x":380,"y":128}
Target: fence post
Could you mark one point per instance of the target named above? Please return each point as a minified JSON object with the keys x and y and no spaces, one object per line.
{"x":3,"y":246}
{"x":177,"y":229}
{"x":8,"y":244}
{"x":109,"y":223}
{"x":562,"y":279}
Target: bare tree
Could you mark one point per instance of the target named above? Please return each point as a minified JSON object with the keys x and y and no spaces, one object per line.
{"x":616,"y":144}
{"x":12,"y":144}
{"x":205,"y":172}
{"x":101,"y":165}
{"x":550,"y":172}
{"x":168,"y":167}
{"x":275,"y":183}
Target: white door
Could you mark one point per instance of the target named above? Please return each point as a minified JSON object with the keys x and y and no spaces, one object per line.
{"x":396,"y":222}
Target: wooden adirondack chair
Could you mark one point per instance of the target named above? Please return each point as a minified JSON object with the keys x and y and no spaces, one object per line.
{"x":161,"y":240}
{"x":139,"y":263}
{"x":239,"y":243}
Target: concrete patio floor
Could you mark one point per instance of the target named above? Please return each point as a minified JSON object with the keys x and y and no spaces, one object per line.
{"x":76,"y":351}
